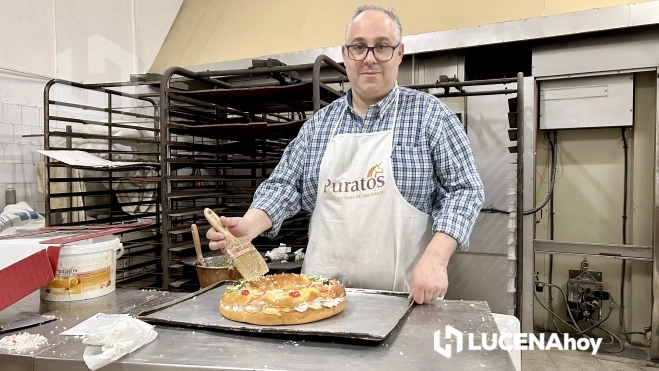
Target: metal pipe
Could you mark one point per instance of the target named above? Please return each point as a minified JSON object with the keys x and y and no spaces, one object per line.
{"x":98,"y":89}
{"x":334,"y":80}
{"x":165,"y":169}
{"x":253,"y":71}
{"x":552,"y":170}
{"x":110,"y":174}
{"x":98,"y":193}
{"x":625,"y":182}
{"x":477,"y":93}
{"x":464,"y":83}
{"x":520,"y":193}
{"x":316,"y":77}
{"x":142,"y":153}
{"x":119,"y":84}
{"x":624,"y":235}
{"x":46,"y":147}
{"x":107,"y":110}
{"x":200,"y":76}
{"x":97,"y":207}
{"x":69,"y":173}
{"x":208,"y":105}
{"x":114,"y":125}
{"x":63,"y":134}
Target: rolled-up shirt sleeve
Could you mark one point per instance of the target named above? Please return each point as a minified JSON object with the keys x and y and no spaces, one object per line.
{"x":460,"y":193}
{"x":281,"y":194}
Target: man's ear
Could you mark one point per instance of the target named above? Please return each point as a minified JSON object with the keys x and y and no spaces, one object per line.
{"x":401,"y":52}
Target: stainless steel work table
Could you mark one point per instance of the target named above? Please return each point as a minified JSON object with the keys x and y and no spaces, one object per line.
{"x":409,"y":347}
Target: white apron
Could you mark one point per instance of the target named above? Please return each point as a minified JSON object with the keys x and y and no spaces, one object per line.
{"x":363,"y":232}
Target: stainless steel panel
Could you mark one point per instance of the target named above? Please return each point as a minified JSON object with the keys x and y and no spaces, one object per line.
{"x":654,"y":346}
{"x":526,"y":29}
{"x":71,"y":313}
{"x":644,"y":13}
{"x":632,"y":252}
{"x":631,"y":49}
{"x":587,"y":102}
{"x":487,"y":129}
{"x":528,"y":259}
{"x":368,"y":315}
{"x":16,"y":362}
{"x":409,"y":347}
{"x":68,"y":315}
{"x":479,"y":276}
{"x":515,"y":287}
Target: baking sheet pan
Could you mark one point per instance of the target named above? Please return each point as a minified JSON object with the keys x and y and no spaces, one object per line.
{"x":368,"y":315}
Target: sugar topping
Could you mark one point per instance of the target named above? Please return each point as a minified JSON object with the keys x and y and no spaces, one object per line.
{"x":22,"y":342}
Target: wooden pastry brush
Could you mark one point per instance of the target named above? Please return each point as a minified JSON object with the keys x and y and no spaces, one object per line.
{"x":244,"y":255}
{"x":197,"y":246}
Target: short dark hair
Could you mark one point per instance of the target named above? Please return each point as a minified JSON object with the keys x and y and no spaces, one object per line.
{"x":387,"y":11}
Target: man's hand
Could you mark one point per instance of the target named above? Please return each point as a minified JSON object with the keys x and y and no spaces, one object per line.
{"x":253,"y":223}
{"x":430,"y":278}
{"x":239,"y":227}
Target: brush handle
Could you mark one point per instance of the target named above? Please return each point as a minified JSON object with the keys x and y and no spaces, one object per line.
{"x":214,"y":221}
{"x":197,"y":242}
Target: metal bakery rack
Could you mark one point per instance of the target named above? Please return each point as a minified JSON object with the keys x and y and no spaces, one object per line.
{"x":223,"y":132}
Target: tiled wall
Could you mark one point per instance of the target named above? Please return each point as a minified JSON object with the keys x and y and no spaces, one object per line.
{"x":18,"y":154}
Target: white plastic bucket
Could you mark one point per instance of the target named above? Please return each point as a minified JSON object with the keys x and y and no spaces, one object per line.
{"x":86,"y":269}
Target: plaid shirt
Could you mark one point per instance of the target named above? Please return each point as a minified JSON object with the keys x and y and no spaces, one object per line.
{"x":432,"y":162}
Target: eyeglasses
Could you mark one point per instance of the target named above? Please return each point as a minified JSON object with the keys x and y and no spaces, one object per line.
{"x":382,"y":53}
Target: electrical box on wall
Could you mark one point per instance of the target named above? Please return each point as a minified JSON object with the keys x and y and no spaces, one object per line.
{"x":587,"y":102}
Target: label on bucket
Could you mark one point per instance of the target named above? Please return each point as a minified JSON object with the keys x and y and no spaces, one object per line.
{"x":80,"y":283}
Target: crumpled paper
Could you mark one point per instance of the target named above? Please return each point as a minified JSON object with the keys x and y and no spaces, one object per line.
{"x":278,"y":253}
{"x":111,"y":342}
{"x":282,"y":254}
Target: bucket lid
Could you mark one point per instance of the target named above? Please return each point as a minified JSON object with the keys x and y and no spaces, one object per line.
{"x":90,"y":245}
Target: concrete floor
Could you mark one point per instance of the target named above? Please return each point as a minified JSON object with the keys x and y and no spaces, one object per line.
{"x":539,"y":360}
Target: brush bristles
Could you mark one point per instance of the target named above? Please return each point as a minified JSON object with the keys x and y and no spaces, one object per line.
{"x":251,"y":265}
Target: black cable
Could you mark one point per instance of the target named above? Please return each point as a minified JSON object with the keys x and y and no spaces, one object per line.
{"x":551,"y":213}
{"x":492,"y":210}
{"x":550,"y":194}
{"x":624,"y":235}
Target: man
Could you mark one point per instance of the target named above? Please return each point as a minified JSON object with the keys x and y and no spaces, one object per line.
{"x":387,"y":173}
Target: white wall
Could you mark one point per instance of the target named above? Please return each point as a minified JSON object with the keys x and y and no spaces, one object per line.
{"x":84,"y":41}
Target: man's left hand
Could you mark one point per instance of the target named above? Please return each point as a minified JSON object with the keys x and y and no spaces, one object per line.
{"x":429,"y":279}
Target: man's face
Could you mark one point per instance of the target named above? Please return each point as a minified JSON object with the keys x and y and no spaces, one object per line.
{"x":372,"y":79}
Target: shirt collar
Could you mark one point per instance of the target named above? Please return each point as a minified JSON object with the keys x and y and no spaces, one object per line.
{"x":380,"y":107}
